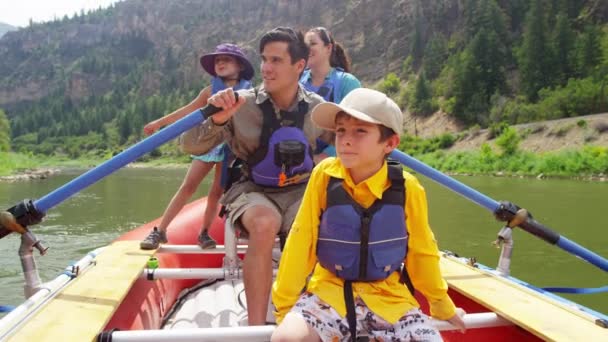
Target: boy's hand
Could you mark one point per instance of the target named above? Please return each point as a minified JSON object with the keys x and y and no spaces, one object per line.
{"x":225,"y":99}
{"x":151,"y":127}
{"x":457,"y":321}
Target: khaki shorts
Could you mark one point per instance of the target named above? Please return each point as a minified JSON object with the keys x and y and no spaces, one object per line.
{"x":244,"y":195}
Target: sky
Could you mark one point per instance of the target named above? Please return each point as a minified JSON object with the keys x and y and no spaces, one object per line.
{"x":19,"y":12}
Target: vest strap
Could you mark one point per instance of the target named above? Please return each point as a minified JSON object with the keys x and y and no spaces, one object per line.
{"x":351,"y":316}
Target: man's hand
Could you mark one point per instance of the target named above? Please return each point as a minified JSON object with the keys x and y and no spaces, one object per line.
{"x":225,"y":99}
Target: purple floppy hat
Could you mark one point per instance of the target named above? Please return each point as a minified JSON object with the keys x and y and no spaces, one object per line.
{"x":208,"y":60}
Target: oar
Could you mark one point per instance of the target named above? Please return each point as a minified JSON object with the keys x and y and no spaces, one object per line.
{"x":504,"y":211}
{"x":31,"y":212}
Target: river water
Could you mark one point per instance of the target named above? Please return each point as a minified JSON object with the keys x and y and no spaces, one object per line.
{"x":131,"y":197}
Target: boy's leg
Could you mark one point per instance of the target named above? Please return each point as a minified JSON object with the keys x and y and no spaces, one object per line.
{"x":319,"y":316}
{"x":413,"y":326}
{"x":294,"y":328}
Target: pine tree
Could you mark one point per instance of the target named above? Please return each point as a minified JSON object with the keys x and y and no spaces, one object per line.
{"x":480,"y":71}
{"x":563,"y":43}
{"x":420,"y":100}
{"x":435,"y":54}
{"x":5,"y":133}
{"x":588,"y":51}
{"x":417,"y":50}
{"x":535,"y":59}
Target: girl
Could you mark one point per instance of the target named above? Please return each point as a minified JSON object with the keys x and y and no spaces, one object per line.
{"x":229,"y":68}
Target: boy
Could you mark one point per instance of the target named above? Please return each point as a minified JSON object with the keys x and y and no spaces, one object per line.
{"x":355,"y":226}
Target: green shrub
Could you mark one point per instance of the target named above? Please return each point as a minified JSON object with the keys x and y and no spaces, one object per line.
{"x":496,"y":129}
{"x":390,"y":85}
{"x":508,"y":141}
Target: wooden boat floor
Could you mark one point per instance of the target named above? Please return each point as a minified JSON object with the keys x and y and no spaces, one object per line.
{"x":544,"y":317}
{"x":86,"y":305}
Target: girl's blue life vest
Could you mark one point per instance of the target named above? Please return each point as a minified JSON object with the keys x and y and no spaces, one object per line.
{"x":359,"y":244}
{"x":217,"y":84}
{"x":284,"y":155}
{"x":330,"y":90}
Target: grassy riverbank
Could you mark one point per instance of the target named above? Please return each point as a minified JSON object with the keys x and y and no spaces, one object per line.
{"x":19,"y":163}
{"x":588,"y":162}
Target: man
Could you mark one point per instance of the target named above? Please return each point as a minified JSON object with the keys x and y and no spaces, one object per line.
{"x":270,"y":129}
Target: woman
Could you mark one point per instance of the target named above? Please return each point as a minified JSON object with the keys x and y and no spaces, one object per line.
{"x":327,"y":74}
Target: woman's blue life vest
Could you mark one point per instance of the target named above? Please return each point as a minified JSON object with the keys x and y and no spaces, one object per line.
{"x":284,"y":155}
{"x":217,"y":84}
{"x":359,"y":244}
{"x":330,"y":90}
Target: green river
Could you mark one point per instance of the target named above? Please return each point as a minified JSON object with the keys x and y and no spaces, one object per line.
{"x":131,"y":197}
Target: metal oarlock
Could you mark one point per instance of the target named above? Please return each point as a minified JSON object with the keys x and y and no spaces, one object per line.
{"x":28,"y":242}
{"x":504,"y":240}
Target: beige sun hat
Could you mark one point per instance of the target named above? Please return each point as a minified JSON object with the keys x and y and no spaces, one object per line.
{"x":364,"y":104}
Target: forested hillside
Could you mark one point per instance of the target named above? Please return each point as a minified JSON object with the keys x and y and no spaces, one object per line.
{"x":88,"y":83}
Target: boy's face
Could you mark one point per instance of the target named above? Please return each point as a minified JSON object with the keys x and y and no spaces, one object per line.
{"x":358,"y":144}
{"x":278,"y":72}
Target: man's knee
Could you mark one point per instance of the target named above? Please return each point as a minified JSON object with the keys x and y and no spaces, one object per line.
{"x":261,"y":221}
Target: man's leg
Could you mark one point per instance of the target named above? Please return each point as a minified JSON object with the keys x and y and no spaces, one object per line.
{"x":262,"y":224}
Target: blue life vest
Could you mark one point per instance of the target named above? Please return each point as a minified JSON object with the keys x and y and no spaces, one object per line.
{"x":217,"y":85}
{"x":330,"y":90}
{"x":284,"y":155}
{"x":359,"y":244}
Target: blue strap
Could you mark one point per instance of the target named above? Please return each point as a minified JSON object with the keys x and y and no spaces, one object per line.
{"x":576,"y":290}
{"x":227,"y":156}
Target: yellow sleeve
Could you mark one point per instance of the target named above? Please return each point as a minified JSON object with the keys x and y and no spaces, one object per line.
{"x":299,"y":255}
{"x":422,"y":259}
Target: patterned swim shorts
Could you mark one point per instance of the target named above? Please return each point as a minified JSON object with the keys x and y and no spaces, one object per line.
{"x":413,"y":326}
